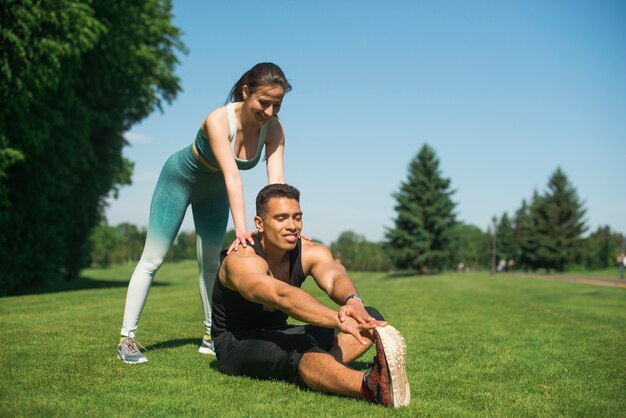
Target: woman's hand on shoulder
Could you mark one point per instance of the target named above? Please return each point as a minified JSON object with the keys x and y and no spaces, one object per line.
{"x":242,"y":239}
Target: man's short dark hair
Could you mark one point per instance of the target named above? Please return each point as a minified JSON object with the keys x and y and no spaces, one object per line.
{"x":274,"y":190}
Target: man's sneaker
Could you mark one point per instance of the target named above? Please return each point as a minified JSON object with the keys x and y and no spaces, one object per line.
{"x":128,"y":352}
{"x":207,"y":346}
{"x":386,"y":382}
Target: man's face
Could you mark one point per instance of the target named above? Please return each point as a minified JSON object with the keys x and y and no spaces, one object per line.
{"x":282,"y":223}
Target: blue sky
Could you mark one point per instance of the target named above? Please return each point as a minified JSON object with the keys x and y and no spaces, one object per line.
{"x":505,"y":92}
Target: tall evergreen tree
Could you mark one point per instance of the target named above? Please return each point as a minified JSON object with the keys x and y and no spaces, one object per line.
{"x":522,"y":237}
{"x":505,"y":248}
{"x":559,"y":222}
{"x":75,"y":75}
{"x":421,"y":236}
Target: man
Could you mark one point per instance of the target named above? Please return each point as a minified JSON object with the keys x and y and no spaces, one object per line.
{"x":258,"y":287}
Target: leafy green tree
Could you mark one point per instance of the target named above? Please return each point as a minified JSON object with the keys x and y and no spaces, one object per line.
{"x":184,"y":247}
{"x":119,"y":244}
{"x":228,"y":238}
{"x":601,"y":248}
{"x":358,"y":254}
{"x":75,"y":76}
{"x":469,"y":246}
{"x":103,"y":242}
{"x":558,"y":217}
{"x":131,"y":240}
{"x":425,"y":216}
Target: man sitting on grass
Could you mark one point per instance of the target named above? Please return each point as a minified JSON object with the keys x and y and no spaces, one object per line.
{"x":258,"y":287}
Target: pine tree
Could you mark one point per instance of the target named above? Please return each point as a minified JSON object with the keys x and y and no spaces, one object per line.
{"x":425,"y":217}
{"x":505,"y":240}
{"x":559,"y":220}
{"x":524,"y":236}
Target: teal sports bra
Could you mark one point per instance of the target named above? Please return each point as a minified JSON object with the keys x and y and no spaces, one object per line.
{"x":204,"y":149}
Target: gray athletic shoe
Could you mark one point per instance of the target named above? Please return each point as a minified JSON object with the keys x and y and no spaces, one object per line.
{"x":128,"y":352}
{"x":207,"y":346}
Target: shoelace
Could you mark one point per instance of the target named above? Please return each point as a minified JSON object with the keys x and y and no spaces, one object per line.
{"x":130,"y":344}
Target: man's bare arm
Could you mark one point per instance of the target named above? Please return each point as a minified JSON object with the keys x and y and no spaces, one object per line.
{"x":332,"y":278}
{"x":247,"y":274}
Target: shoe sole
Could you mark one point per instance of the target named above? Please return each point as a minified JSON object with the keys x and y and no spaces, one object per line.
{"x":394,"y":348}
{"x":143,"y":360}
{"x":204,"y":350}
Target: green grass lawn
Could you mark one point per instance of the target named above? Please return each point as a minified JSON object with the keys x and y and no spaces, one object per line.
{"x":477,"y":346}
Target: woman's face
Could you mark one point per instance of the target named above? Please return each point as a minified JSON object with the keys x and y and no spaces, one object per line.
{"x":264,"y":103}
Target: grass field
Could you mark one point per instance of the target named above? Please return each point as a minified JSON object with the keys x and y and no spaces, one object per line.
{"x":478,"y":345}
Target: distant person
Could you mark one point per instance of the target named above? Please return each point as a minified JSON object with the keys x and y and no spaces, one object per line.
{"x":510,"y":265}
{"x":258,"y":288}
{"x":621,"y":263}
{"x":206,"y":176}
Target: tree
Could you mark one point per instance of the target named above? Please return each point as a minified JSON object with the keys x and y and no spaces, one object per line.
{"x":356,"y":253}
{"x":421,"y":236}
{"x":505,"y":240}
{"x":75,"y":76}
{"x":558,"y":218}
{"x":524,"y":235}
{"x":184,"y":247}
{"x":131,"y":240}
{"x":103,"y":241}
{"x":119,"y":244}
{"x":228,"y":239}
{"x":601,"y":248}
{"x":470,"y":246}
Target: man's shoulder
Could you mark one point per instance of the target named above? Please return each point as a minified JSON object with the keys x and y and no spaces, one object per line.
{"x":315,"y":251}
{"x":243,"y":257}
{"x":313,"y":246}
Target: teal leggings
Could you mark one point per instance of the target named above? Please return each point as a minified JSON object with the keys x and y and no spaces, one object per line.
{"x":183,"y":182}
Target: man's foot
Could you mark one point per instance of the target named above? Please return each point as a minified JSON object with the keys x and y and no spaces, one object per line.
{"x":128,"y":352}
{"x":207,"y":346}
{"x":386,"y":382}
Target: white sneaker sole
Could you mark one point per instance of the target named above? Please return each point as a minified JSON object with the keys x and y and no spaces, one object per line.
{"x":395,"y":353}
{"x":205,"y":350}
{"x":143,"y":360}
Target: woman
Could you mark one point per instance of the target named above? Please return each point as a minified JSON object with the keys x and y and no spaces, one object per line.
{"x":206,"y":175}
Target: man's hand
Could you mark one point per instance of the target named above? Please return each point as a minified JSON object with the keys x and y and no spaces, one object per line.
{"x":350,"y":326}
{"x":356,"y":310}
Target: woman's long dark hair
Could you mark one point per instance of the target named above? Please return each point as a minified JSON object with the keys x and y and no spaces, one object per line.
{"x":262,"y":74}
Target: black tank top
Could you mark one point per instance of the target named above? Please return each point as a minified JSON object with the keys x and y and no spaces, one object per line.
{"x":231,"y":311}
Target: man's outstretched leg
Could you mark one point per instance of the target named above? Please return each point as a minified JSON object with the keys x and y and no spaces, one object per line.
{"x":385,"y":382}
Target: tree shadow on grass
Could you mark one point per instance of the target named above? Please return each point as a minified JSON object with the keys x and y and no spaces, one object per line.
{"x":81,"y":283}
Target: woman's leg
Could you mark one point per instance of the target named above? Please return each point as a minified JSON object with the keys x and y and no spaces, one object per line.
{"x":210,"y":216}
{"x":167,"y":210}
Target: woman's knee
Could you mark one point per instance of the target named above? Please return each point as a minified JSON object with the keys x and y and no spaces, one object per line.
{"x":150,"y":263}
